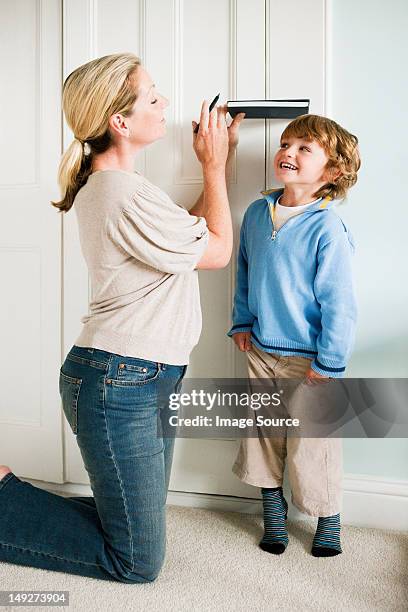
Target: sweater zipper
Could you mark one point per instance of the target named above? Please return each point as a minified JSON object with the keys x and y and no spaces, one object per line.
{"x":274,"y":231}
{"x":272,"y":208}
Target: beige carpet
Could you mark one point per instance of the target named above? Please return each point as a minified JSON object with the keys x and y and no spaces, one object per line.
{"x":213,"y":564}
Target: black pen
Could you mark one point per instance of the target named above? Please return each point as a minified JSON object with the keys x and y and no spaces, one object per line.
{"x":213,"y":103}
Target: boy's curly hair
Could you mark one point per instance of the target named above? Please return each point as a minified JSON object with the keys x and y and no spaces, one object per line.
{"x":340,"y":146}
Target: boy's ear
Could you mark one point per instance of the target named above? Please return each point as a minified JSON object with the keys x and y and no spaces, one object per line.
{"x":332,"y":174}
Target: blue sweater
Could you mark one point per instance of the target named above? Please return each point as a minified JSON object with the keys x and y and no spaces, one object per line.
{"x":295,"y":292}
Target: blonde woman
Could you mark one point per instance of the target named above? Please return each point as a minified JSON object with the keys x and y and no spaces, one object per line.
{"x":142,"y":251}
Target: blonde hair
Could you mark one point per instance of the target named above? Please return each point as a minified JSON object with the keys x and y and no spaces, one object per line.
{"x":340,"y":146}
{"x":90,"y":95}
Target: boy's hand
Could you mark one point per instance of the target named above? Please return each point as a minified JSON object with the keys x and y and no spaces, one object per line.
{"x":243,"y":341}
{"x":314,"y":378}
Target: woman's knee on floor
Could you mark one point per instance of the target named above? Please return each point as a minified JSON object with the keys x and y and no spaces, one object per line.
{"x":142,"y":572}
{"x":145,"y":564}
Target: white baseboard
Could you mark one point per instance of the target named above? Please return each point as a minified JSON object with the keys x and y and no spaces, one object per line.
{"x":375,"y":502}
{"x":367,"y":501}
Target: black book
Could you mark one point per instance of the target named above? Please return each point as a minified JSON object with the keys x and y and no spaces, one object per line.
{"x":269,"y":109}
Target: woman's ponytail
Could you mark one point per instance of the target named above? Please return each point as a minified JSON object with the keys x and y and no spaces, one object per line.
{"x":69,"y":174}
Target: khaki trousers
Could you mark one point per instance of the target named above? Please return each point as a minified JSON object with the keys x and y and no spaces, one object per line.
{"x":314,"y":464}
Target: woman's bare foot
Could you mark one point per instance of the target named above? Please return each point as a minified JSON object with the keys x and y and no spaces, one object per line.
{"x":4,"y":469}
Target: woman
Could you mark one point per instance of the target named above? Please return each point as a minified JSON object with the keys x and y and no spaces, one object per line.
{"x":142,"y":252}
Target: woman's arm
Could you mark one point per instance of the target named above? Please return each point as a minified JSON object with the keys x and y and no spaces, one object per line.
{"x":211,"y":145}
{"x":233,"y":137}
{"x":218,"y":217}
{"x":198,"y":208}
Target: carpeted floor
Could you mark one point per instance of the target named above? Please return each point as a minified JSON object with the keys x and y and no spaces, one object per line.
{"x":214,"y":564}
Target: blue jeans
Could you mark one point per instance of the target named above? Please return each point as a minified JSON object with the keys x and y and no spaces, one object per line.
{"x":114,"y":406}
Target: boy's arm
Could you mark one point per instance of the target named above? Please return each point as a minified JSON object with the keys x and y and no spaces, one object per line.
{"x":333,"y":287}
{"x":242,"y":318}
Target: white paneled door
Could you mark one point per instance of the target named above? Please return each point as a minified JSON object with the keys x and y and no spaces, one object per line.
{"x":193,"y":50}
{"x":31,"y":439}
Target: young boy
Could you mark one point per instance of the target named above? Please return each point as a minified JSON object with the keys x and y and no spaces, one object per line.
{"x":294,"y":314}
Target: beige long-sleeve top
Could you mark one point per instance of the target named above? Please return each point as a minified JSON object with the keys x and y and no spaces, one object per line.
{"x":141,"y":250}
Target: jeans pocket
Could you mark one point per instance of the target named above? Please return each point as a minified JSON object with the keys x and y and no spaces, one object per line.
{"x":69,"y":389}
{"x":132,"y":371}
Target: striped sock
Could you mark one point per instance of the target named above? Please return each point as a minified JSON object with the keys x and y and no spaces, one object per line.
{"x":326,"y":542}
{"x":275,"y":511}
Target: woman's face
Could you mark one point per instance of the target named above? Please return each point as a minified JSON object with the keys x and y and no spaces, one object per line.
{"x":147,"y":123}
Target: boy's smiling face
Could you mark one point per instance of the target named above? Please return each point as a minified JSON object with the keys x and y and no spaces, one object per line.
{"x":301,"y":162}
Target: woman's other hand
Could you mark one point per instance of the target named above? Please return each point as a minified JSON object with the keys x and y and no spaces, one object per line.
{"x":243,"y":341}
{"x":233,"y":130}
